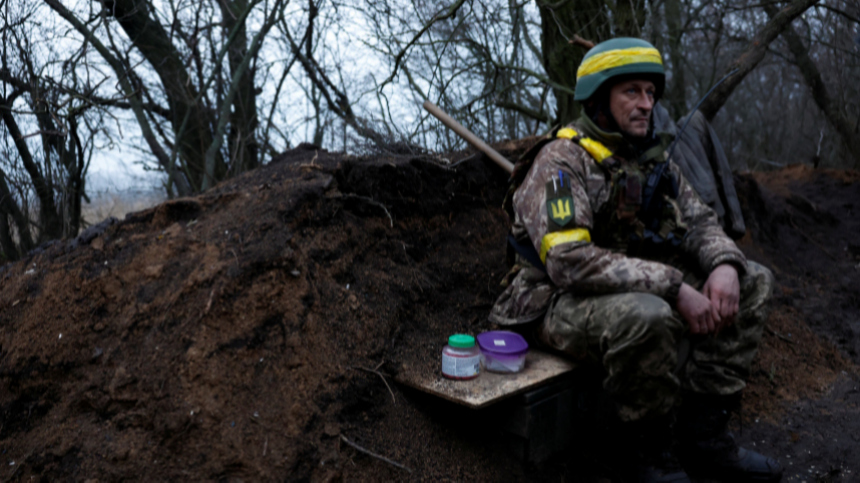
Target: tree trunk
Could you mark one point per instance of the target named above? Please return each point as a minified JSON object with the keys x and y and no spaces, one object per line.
{"x":8,"y":208}
{"x":146,"y":33}
{"x":8,"y":250}
{"x":753,"y":54}
{"x":589,"y":19}
{"x":75,"y":163}
{"x":131,"y":94}
{"x":51,"y":225}
{"x":53,"y":146}
{"x":813,"y":79}
{"x":242,"y":141}
{"x":676,"y":92}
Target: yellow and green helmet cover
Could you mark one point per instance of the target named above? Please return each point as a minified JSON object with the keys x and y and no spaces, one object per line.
{"x":616,"y":57}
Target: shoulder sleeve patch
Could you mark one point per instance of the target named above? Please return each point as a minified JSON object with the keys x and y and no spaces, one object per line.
{"x":560,"y":208}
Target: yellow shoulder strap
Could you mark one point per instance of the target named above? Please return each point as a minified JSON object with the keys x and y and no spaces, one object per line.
{"x":566,"y":133}
{"x":597,"y":150}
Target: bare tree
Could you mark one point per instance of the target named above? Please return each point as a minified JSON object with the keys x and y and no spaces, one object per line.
{"x":217,"y":86}
{"x":186,"y":59}
{"x":753,"y":54}
{"x":48,"y":133}
{"x":836,"y":112}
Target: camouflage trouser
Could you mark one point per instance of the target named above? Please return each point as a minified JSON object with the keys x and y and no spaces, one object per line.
{"x":637,"y":338}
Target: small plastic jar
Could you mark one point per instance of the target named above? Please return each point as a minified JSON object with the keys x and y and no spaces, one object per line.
{"x":461,"y":358}
{"x":503,"y":351}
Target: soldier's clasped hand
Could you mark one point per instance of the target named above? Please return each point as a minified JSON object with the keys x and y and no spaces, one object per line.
{"x":697,"y":310}
{"x":723,"y":290}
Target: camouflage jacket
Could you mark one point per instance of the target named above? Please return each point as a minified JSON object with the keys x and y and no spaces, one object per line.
{"x":568,"y":206}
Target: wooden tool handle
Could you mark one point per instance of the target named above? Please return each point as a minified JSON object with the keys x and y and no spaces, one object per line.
{"x":469,"y":136}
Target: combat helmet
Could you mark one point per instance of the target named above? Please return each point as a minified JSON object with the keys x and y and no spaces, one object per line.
{"x":618,"y":57}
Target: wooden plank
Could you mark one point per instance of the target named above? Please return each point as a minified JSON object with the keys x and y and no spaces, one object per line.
{"x":489,"y":387}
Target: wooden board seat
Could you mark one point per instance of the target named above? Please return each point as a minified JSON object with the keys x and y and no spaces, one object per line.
{"x":488,"y":388}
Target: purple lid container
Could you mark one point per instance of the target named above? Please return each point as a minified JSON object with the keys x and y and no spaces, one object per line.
{"x":504,"y":344}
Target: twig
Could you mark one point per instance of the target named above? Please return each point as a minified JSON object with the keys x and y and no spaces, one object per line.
{"x":773,"y":332}
{"x":313,"y":163}
{"x":45,"y":133}
{"x":265,"y":446}
{"x":370,"y":453}
{"x":209,"y":303}
{"x":372,"y":202}
{"x":450,"y":12}
{"x":577,"y":40}
{"x":376,"y":371}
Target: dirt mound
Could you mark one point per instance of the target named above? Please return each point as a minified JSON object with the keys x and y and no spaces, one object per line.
{"x":804,"y":224}
{"x":244,"y":333}
{"x":222,"y":336}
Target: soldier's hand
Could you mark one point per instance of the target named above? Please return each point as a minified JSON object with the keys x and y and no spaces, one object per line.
{"x":697,"y":310}
{"x":724,"y":291}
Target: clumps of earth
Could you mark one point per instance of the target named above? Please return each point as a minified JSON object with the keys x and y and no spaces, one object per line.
{"x":253,"y":333}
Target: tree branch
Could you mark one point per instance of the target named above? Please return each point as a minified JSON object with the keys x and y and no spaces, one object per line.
{"x":753,"y":54}
{"x":224,"y":114}
{"x":536,"y":115}
{"x":341,"y":107}
{"x":813,"y":79}
{"x":585,"y":44}
{"x":837,"y":11}
{"x":450,"y":12}
{"x":219,"y":59}
{"x":124,"y":82}
{"x":43,"y":190}
{"x":124,"y":104}
{"x":139,"y":21}
{"x":536,"y":75}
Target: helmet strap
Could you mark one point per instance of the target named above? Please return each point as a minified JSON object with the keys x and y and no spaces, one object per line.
{"x":597,"y":108}
{"x":609,"y":123}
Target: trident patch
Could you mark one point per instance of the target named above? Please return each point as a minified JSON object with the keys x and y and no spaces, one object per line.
{"x":559,"y":202}
{"x":560,"y":210}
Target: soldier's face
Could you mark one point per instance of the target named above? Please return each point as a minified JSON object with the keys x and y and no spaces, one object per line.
{"x":631,"y":102}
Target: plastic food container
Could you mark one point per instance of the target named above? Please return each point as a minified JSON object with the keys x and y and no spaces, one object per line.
{"x":503,"y":351}
{"x":461,"y":359}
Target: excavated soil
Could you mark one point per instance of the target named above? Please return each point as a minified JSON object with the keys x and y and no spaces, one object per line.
{"x":803,"y":398}
{"x":251,"y":333}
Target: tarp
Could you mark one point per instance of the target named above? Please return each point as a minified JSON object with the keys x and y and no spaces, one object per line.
{"x":701,"y":158}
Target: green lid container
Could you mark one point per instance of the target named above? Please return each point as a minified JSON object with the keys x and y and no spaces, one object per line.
{"x":461,"y":341}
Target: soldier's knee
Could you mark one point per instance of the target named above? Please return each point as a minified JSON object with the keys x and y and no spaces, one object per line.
{"x":758,"y":283}
{"x":762,"y":275}
{"x":648,"y":316}
{"x":652,"y":309}
{"x":756,"y":292}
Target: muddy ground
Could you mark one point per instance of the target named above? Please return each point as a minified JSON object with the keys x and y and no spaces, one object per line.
{"x":248,"y":333}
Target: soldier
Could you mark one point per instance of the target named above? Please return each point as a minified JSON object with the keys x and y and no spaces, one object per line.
{"x":620,"y":265}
